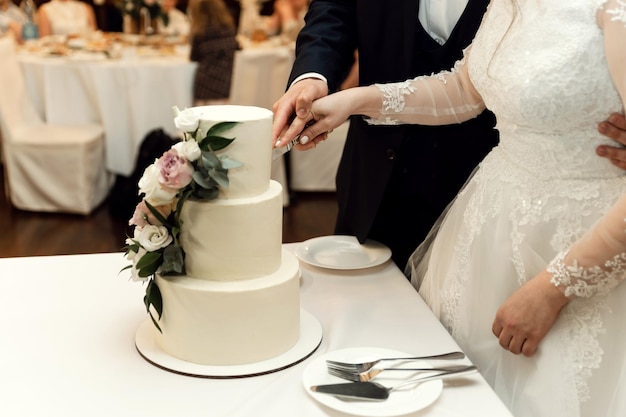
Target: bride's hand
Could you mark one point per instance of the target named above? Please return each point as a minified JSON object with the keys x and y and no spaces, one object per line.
{"x":331,"y":111}
{"x":528,"y":314}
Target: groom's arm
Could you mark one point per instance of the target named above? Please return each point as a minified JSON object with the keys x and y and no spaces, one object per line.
{"x":614,"y":128}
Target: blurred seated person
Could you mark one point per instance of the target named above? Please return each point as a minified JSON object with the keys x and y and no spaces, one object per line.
{"x":288,"y":18}
{"x":172,"y":22}
{"x":11,"y":19}
{"x":65,"y":17}
{"x":213,"y":46}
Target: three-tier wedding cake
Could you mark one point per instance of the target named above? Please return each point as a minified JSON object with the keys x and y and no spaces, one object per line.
{"x":238,"y":299}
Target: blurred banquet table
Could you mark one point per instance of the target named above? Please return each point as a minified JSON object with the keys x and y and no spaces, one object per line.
{"x":260,"y":74}
{"x":69,"y":325}
{"x":129,"y":96}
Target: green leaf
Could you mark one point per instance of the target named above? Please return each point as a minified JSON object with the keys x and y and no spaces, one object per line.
{"x":158,"y":215}
{"x":204,"y":182}
{"x":220,"y":177}
{"x":149,"y":263}
{"x":221,"y":127}
{"x":215,"y":143}
{"x":133,"y":248}
{"x":173,"y":260}
{"x":207,"y":194}
{"x":153,"y":298}
{"x":210,"y":160}
{"x":228,"y":163}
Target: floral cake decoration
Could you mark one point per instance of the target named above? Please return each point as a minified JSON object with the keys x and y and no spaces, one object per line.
{"x":189,"y":170}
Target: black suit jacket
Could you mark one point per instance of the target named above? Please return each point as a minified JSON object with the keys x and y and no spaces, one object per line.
{"x":393,"y":181}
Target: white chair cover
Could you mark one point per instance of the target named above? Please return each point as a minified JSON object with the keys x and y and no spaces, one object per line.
{"x":47,"y":167}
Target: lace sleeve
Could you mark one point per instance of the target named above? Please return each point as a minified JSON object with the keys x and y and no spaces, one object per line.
{"x":444,"y":98}
{"x":597,"y":262}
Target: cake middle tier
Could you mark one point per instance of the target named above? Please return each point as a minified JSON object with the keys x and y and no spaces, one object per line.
{"x":231,"y":323}
{"x":235,"y":239}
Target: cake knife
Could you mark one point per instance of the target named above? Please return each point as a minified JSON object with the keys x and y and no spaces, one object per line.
{"x":278,"y":152}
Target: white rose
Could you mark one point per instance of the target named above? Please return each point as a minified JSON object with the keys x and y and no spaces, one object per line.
{"x":188,"y":149}
{"x":186,"y":120}
{"x":149,"y":185}
{"x":153,"y":238}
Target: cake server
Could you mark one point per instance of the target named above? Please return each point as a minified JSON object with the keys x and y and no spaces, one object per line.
{"x":373,"y":391}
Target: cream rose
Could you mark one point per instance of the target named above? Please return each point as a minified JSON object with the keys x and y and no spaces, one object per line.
{"x":188,"y":149}
{"x":155,"y":193}
{"x":186,"y":120}
{"x":152,"y":238}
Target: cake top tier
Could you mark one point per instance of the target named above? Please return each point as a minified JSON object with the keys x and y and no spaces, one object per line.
{"x":232,"y":113}
{"x":252,"y":146}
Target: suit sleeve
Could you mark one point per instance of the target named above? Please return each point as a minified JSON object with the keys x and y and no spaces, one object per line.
{"x":327,"y":42}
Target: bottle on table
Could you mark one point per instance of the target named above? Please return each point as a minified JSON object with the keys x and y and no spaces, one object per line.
{"x":29,"y":28}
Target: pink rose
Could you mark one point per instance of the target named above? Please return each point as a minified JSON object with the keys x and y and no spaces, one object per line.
{"x":174,"y":171}
{"x":143,"y":216}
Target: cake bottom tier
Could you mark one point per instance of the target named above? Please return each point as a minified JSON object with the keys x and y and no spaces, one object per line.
{"x":231,"y":323}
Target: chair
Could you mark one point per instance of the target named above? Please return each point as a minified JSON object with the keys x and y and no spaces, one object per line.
{"x":260,"y":76}
{"x":48,"y":168}
{"x":259,"y":79}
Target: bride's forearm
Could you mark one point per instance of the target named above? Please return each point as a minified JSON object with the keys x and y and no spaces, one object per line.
{"x":364,"y":101}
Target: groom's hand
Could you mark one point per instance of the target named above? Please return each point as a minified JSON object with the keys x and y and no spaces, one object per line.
{"x":292,"y":111}
{"x":614,"y":128}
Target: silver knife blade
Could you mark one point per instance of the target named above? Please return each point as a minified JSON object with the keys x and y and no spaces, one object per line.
{"x":278,"y":152}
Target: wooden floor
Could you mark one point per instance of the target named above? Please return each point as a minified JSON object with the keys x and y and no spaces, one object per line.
{"x":32,"y":234}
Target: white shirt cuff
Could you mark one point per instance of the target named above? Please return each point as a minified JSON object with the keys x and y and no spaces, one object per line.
{"x":310,"y":75}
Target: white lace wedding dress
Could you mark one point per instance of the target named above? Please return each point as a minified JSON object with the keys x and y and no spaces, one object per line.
{"x":541,"y":67}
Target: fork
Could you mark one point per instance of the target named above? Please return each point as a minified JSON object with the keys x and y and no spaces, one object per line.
{"x":366,"y":366}
{"x":369,"y":375}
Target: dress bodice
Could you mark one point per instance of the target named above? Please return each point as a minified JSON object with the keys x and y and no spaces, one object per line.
{"x":540,"y":66}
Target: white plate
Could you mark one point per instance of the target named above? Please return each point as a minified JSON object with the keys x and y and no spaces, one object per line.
{"x":310,"y":339}
{"x":342,"y":252}
{"x":403,"y":401}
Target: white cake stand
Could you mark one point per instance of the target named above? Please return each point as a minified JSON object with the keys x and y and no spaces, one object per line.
{"x":310,"y":339}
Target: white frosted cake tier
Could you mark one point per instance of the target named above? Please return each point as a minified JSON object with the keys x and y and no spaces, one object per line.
{"x":233,"y":239}
{"x":252,"y":146}
{"x":231,"y":323}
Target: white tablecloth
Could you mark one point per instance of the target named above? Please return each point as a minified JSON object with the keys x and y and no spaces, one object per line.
{"x":69,"y":323}
{"x":129,"y":97}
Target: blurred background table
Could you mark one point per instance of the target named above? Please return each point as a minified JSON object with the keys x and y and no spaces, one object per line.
{"x":129,"y":95}
{"x":130,"y":89}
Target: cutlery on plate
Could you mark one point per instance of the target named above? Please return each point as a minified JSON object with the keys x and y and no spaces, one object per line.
{"x":373,"y":391}
{"x":369,"y":375}
{"x":366,"y":366}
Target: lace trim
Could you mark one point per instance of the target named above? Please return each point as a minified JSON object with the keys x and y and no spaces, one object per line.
{"x":393,"y":95}
{"x":619,"y":12}
{"x":585,"y":282}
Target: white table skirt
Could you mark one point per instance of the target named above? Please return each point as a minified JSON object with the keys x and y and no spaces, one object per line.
{"x":128,"y":97}
{"x":69,"y":322}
